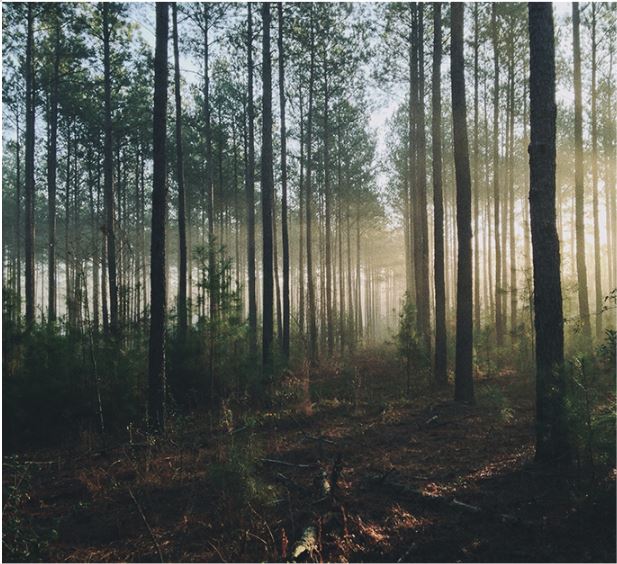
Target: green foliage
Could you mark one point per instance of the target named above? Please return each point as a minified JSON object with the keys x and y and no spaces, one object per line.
{"x":410,"y":348}
{"x":491,"y":397}
{"x":590,"y":410}
{"x":235,"y":479}
{"x":21,"y":541}
{"x":50,"y":389}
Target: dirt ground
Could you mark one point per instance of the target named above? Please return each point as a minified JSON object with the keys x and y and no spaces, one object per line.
{"x":407,"y":481}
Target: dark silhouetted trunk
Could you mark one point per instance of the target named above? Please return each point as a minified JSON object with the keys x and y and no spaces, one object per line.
{"x":52,"y":166}
{"x":182,"y":318}
{"x":548,"y":319}
{"x":312,"y":346}
{"x":250,"y":193}
{"x":464,"y":283}
{"x":108,"y":188}
{"x":441,"y":360}
{"x":267,"y":185}
{"x":284,"y":225}
{"x":156,"y":357}
{"x":29,"y":219}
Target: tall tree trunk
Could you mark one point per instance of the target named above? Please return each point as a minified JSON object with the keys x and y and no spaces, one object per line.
{"x":441,"y":358}
{"x":476,"y":171}
{"x":423,"y":305}
{"x":156,"y":357}
{"x":512,"y":233}
{"x":498,"y":289}
{"x":52,"y":165}
{"x":182,"y":318}
{"x":548,"y":320}
{"x":327,"y":202}
{"x":284,"y":221}
{"x":464,"y":284}
{"x":108,"y":188}
{"x":301,"y":218}
{"x":312,"y":348}
{"x":594,"y":178}
{"x":17,"y":213}
{"x":30,"y":134}
{"x":581,"y":264}
{"x":267,"y":186}
{"x":250,"y":192}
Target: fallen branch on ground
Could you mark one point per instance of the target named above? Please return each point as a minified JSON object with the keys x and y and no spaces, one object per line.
{"x":143,"y":518}
{"x":285,"y":463}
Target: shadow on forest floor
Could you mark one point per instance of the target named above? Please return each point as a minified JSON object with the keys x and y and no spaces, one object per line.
{"x":420,"y":480}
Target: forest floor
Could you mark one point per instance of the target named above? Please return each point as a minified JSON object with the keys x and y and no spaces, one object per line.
{"x":410,"y":481}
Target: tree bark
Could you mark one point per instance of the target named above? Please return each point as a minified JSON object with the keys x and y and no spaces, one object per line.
{"x":496,"y":218}
{"x":579,"y":190}
{"x":441,"y":359}
{"x":250,"y":193}
{"x":464,"y":284}
{"x":182,"y":317}
{"x":108,"y":188}
{"x":548,"y":319}
{"x":284,"y":220}
{"x":156,"y":357}
{"x":30,"y":195}
{"x":267,"y":185}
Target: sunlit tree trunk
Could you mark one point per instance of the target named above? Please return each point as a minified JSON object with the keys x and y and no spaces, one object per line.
{"x":581,"y":264}
{"x":497,"y":222}
{"x":250,"y":193}
{"x":594,"y":178}
{"x":284,"y":220}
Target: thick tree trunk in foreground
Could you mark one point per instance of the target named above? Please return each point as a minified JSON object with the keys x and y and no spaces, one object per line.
{"x":441,"y":360}
{"x":464,"y":284}
{"x":548,"y":319}
{"x":156,"y":358}
{"x":579,"y":190}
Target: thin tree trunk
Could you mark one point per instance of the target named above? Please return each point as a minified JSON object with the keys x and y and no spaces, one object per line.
{"x":250,"y":194}
{"x":182,"y":318}
{"x":284,"y":221}
{"x":498,"y":288}
{"x":30,"y":194}
{"x":594,"y":179}
{"x":581,"y":264}
{"x":267,"y":185}
{"x":441,"y":359}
